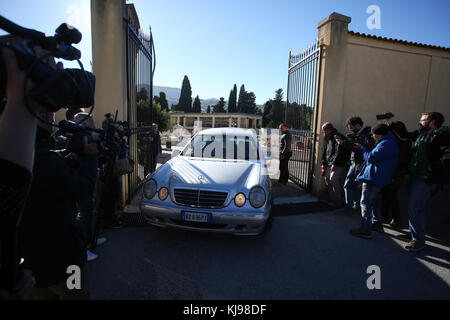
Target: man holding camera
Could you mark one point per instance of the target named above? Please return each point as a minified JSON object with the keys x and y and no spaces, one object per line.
{"x":359,"y":135}
{"x":334,"y":164}
{"x":52,"y":239}
{"x":390,"y":209}
{"x":378,"y":171}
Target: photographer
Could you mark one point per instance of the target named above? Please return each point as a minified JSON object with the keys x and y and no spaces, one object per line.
{"x":358,"y":135}
{"x":390,"y":209}
{"x":377,"y":172}
{"x":335,"y":163}
{"x":53,"y":239}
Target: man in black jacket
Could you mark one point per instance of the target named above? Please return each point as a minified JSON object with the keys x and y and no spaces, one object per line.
{"x":285,"y":154}
{"x":156,"y":148}
{"x":50,"y":233}
{"x":428,"y":166}
{"x":358,"y":135}
{"x":335,"y":163}
{"x":390,"y":208}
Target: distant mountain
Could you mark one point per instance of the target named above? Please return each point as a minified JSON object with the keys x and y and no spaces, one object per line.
{"x":173,"y":95}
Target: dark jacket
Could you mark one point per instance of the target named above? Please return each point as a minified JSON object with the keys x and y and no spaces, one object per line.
{"x":363,"y":137}
{"x":285,"y":144}
{"x":437,"y":151}
{"x":402,"y":137}
{"x":156,"y":143}
{"x":335,"y":154}
{"x":381,"y":162}
{"x":51,"y":237}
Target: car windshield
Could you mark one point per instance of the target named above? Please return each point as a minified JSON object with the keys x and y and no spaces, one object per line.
{"x":222,"y":147}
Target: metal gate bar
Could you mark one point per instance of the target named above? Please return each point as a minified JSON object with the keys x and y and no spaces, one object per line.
{"x":140,"y":69}
{"x":301,"y":111}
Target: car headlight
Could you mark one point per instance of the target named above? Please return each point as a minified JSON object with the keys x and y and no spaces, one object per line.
{"x":257,"y":197}
{"x":150,"y":188}
{"x":163,"y":193}
{"x":239,"y":200}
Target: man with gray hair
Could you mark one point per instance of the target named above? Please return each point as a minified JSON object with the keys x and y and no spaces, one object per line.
{"x":335,"y":160}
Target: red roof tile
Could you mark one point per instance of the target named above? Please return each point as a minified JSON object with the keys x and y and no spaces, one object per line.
{"x":398,"y":41}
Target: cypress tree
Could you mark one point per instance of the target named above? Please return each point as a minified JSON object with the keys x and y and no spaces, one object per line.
{"x":197,"y":107}
{"x":232,"y":100}
{"x":185,"y":102}
{"x":163,"y":101}
{"x":241,"y":107}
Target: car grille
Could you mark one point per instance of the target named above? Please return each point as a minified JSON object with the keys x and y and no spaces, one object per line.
{"x":200,"y":198}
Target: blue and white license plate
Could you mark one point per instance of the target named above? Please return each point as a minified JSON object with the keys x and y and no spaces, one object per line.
{"x":196,"y":216}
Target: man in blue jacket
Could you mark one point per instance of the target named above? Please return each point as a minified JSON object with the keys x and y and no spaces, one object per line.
{"x":377,"y":173}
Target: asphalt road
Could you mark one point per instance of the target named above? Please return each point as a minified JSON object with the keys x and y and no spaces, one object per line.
{"x":304,"y":256}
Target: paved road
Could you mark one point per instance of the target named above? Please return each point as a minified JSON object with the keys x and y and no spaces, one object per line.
{"x":304,"y":256}
{"x":308,"y":256}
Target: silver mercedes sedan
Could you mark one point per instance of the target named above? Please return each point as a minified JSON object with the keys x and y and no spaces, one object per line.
{"x":218,"y":183}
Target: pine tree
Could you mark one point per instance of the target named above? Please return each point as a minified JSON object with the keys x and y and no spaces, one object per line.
{"x":220,"y":106}
{"x":197,"y":107}
{"x":266,"y":112}
{"x":185,"y":102}
{"x":232,"y":100}
{"x":278,"y":109}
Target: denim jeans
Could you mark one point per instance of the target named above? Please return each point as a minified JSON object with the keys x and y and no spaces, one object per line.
{"x":419,"y":192}
{"x":352,"y":194}
{"x":370,"y":206}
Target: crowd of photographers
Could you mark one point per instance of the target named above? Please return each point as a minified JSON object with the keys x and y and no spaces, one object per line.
{"x":365,"y":170}
{"x":56,"y":188}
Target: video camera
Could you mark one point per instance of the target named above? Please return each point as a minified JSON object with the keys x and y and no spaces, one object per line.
{"x":355,"y":138}
{"x":54,"y":89}
{"x":73,"y":134}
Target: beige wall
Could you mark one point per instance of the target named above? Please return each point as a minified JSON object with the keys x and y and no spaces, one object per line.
{"x":363,"y":76}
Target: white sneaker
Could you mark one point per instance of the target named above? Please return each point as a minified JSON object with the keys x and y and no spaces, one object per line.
{"x":101,"y":241}
{"x":91,"y":256}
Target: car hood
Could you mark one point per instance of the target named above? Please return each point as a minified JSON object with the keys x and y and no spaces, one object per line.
{"x":226,"y":173}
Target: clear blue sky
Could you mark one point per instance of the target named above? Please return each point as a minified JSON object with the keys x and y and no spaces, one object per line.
{"x":220,"y":43}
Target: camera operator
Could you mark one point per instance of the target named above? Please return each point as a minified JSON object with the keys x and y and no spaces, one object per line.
{"x":52,"y":238}
{"x":111,"y":184}
{"x":17,"y":139}
{"x":87,"y":208}
{"x":359,"y":135}
{"x":390,"y":209}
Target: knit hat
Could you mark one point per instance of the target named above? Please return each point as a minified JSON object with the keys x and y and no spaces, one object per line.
{"x":380,"y":128}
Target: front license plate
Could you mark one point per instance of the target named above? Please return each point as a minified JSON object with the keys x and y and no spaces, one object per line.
{"x":196,"y":216}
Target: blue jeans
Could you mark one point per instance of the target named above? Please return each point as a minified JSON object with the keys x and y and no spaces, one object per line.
{"x":419,"y":192}
{"x":370,"y":207}
{"x":352,"y":194}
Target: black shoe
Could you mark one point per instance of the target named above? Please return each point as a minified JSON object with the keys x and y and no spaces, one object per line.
{"x":378,"y":228}
{"x":360,"y":233}
{"x":415,"y":246}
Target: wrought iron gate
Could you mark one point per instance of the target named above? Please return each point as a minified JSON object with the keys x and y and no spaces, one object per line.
{"x":301,"y":111}
{"x":140,"y":71}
